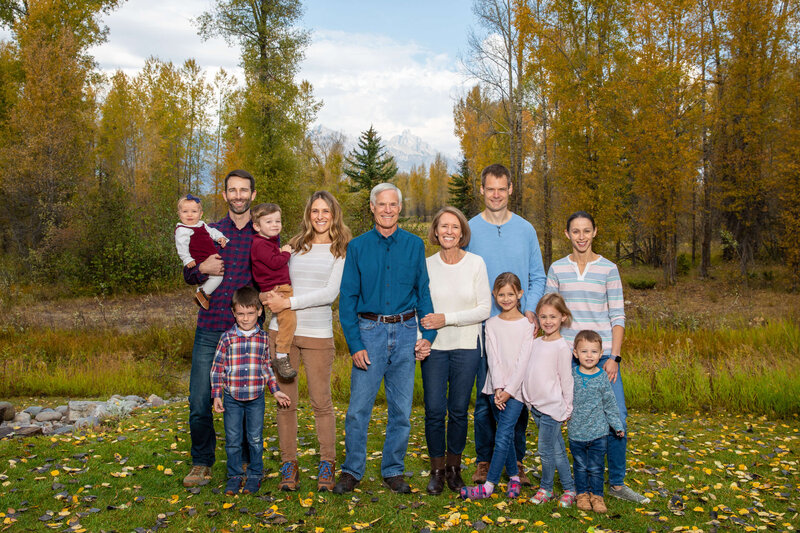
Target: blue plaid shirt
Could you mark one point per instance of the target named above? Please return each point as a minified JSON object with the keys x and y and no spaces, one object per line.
{"x":236,"y":255}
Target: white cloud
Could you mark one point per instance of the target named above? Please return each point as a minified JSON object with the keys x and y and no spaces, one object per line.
{"x":368,"y":79}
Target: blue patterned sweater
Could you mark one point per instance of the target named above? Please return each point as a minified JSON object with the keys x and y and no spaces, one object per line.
{"x":594,"y":407}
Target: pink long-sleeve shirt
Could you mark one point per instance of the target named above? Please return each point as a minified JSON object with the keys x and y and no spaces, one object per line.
{"x":548,"y":382}
{"x":508,"y":349}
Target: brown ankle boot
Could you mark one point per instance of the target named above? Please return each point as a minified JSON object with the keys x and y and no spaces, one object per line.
{"x":452,"y":472}
{"x":436,"y":484}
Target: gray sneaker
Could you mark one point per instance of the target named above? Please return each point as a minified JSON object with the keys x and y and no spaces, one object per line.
{"x":627,"y":493}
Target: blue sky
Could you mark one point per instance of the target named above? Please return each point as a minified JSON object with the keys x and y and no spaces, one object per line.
{"x":392,"y":64}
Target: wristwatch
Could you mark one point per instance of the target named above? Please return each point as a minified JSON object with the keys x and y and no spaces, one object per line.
{"x":615,"y":358}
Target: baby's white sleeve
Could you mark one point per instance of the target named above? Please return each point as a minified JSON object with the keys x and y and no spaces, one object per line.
{"x":215,"y":233}
{"x":182,"y":237}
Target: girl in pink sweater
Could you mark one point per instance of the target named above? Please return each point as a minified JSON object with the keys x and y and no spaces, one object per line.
{"x":547,"y":390}
{"x":509,"y":336}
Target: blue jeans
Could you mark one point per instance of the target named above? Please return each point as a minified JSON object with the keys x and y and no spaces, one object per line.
{"x":391,"y":353}
{"x":244,"y":423}
{"x":617,"y":446}
{"x":485,"y":421}
{"x":588,"y":459}
{"x":447,"y":378}
{"x":504,"y":455}
{"x":201,"y":418}
{"x":552,"y":452}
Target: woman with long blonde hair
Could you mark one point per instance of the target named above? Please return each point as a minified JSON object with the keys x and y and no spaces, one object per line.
{"x":316,"y":273}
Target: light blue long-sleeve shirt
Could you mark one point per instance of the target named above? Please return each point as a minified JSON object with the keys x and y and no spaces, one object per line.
{"x":510,"y":247}
{"x":384,"y":276}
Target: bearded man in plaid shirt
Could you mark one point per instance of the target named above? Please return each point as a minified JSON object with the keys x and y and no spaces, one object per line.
{"x":232,"y":262}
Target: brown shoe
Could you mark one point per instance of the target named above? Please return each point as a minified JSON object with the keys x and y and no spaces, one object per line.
{"x":583,"y":501}
{"x":284,"y":367}
{"x":452,"y":472}
{"x":201,"y":299}
{"x":436,"y":483}
{"x":197,"y":476}
{"x":397,"y":484}
{"x":325,"y":476}
{"x":481,"y":471}
{"x":524,"y":480}
{"x":598,"y":504}
{"x":290,"y":476}
{"x":345,"y":484}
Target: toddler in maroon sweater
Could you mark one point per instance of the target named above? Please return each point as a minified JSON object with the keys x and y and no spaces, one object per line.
{"x":270,"y":264}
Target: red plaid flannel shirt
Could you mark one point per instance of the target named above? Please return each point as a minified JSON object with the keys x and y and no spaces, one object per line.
{"x":241,"y":365}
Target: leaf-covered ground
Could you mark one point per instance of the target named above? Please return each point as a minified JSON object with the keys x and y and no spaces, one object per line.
{"x":712,"y":473}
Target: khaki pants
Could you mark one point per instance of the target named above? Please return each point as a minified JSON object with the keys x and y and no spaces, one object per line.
{"x":287,"y":323}
{"x":317,"y":356}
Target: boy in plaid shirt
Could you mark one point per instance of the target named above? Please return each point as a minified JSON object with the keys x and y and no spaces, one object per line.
{"x":239,"y":374}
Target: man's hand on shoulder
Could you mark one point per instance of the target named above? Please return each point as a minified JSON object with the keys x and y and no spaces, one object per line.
{"x":531,"y":316}
{"x":213,"y":266}
{"x":361,"y":359}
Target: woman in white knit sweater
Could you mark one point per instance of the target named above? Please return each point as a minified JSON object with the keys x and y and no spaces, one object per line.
{"x":316,"y":272}
{"x":462,"y":300}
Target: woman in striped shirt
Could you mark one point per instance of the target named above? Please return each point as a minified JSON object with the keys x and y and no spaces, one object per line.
{"x":592,"y":288}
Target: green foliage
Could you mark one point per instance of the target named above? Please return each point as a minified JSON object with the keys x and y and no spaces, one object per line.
{"x":641,"y":284}
{"x":462,"y":193}
{"x":684,"y":264}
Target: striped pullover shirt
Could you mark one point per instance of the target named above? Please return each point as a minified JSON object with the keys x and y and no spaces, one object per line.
{"x":241,"y":365}
{"x":594,"y":298}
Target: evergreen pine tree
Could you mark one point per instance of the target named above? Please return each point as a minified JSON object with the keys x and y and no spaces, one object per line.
{"x":367,"y":166}
{"x":461,"y":191}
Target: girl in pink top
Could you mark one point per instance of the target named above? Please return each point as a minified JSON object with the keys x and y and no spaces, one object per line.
{"x":509,"y":337}
{"x":547,"y":390}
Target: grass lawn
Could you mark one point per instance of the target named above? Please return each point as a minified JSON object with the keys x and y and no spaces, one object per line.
{"x":721,"y":472}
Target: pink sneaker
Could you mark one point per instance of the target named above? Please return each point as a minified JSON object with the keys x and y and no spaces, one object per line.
{"x":513,"y":489}
{"x":567,"y":499}
{"x":478,"y":492}
{"x":542,"y":496}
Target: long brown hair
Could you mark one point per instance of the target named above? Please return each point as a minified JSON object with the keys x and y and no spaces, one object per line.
{"x":340,"y":233}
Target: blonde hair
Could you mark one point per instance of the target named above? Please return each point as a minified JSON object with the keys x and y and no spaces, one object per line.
{"x":339,"y":232}
{"x":186,"y":198}
{"x":465,"y":231}
{"x":556,"y":301}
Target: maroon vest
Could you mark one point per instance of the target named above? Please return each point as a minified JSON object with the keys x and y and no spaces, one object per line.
{"x":201,"y":245}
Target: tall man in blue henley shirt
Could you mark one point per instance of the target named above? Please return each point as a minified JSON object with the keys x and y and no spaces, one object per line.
{"x":507,"y":243}
{"x":384,"y":288}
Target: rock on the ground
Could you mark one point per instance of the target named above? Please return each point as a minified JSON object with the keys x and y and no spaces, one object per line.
{"x":64,"y":429}
{"x":48,"y":415}
{"x":155,"y":400}
{"x":134,"y":398}
{"x":81,"y":409}
{"x":87,"y":422}
{"x":5,"y":431}
{"x":63,"y":409}
{"x":34,"y":410}
{"x":22,"y":419}
{"x":7,"y":411}
{"x":27,"y":431}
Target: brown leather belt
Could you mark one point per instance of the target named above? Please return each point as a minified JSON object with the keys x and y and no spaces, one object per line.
{"x":388,"y":319}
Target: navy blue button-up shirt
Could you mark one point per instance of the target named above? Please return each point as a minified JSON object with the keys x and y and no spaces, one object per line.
{"x":385,"y":276}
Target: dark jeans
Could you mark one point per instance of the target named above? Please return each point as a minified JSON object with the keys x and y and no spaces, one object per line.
{"x":201,"y":418}
{"x":504,"y":456}
{"x":588,"y":463}
{"x":447,"y":378}
{"x":244,"y":423}
{"x":485,"y":423}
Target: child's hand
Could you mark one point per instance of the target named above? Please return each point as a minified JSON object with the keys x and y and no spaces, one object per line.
{"x":282,"y":399}
{"x":222,"y":241}
{"x":286,"y":248}
{"x":500,"y":398}
{"x":190,"y":265}
{"x":620,"y":433}
{"x":218,"y":408}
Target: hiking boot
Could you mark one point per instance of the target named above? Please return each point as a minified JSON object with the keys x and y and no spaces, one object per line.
{"x":452,"y":472}
{"x":397,"y":484}
{"x":436,"y":483}
{"x":598,"y":504}
{"x":325,"y":476}
{"x":345,"y":484}
{"x":197,"y":476}
{"x":583,"y":501}
{"x":289,"y":476}
{"x":284,"y":367}
{"x":201,"y":299}
{"x":481,"y":471}
{"x":523,"y":477}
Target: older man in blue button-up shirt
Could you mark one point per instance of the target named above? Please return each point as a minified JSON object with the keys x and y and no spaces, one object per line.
{"x":384,"y":288}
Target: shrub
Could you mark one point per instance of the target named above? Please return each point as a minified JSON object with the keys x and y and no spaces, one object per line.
{"x":641,"y":284}
{"x":684,"y":264}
